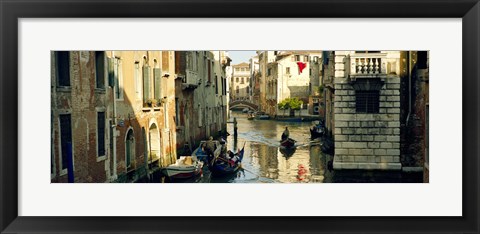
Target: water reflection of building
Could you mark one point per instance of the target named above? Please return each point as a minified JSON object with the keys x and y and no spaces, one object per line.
{"x":267,"y":161}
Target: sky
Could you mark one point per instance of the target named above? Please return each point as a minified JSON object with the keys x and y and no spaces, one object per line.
{"x":240,"y":56}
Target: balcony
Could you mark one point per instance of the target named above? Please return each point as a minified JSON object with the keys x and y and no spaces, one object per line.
{"x":368,"y":65}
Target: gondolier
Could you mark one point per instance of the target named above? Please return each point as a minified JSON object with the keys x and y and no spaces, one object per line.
{"x":285,"y":134}
{"x":209,"y":148}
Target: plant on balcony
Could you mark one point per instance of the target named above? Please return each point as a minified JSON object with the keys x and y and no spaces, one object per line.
{"x":152,"y":102}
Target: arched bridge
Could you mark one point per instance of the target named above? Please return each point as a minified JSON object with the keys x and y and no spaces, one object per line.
{"x":239,"y":104}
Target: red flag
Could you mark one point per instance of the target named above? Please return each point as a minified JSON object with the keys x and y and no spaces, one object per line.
{"x":301,"y":66}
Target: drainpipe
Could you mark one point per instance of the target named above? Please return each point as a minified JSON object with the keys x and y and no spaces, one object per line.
{"x":409,"y":86}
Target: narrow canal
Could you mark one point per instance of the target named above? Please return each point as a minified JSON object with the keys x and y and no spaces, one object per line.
{"x":265,"y":162}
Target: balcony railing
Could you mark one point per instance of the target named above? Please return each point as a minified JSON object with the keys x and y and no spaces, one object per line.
{"x":368,"y":64}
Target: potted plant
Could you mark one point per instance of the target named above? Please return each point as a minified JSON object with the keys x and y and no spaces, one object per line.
{"x":152,"y":102}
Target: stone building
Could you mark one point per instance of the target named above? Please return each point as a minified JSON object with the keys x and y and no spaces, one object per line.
{"x":240,"y":83}
{"x":376,"y":109}
{"x":288,"y":76}
{"x":254,"y":80}
{"x":201,"y":96}
{"x":367,"y":110}
{"x":316,"y":87}
{"x":264,"y":57}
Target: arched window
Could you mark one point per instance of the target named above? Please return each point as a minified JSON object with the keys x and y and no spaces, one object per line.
{"x":129,"y":148}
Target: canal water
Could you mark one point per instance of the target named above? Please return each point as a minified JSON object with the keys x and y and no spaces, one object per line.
{"x":265,"y":162}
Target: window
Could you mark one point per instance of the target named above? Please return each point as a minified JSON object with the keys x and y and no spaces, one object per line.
{"x":177,"y":112}
{"x":288,"y":70}
{"x":237,"y":90}
{"x":367,"y":101}
{"x":306,"y":58}
{"x":297,"y":58}
{"x":100,"y":69}
{"x":129,"y":148}
{"x":243,"y":80}
{"x":216,"y":84}
{"x":138,"y":81}
{"x":209,"y":71}
{"x":146,"y":82}
{"x":248,"y":90}
{"x":100,"y":134}
{"x":65,"y":139}
{"x":269,"y":71}
{"x":237,"y":79}
{"x":63,"y":68}
{"x":118,"y":75}
{"x":157,"y":83}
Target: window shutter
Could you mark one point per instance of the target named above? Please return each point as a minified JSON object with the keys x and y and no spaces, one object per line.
{"x":111,"y":80}
{"x":158,"y":83}
{"x":146,"y":83}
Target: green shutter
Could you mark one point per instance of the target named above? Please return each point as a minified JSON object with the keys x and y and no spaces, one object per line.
{"x":146,"y":83}
{"x":158,"y":83}
{"x":111,"y":81}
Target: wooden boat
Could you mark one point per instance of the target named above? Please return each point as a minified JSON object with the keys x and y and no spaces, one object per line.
{"x":316,"y":132}
{"x":202,"y":155}
{"x":262,"y":115}
{"x":251,"y":116}
{"x":222,"y":167}
{"x":185,"y":167}
{"x":287,"y":143}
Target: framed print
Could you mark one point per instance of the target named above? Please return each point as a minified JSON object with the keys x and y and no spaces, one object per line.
{"x":231,"y":116}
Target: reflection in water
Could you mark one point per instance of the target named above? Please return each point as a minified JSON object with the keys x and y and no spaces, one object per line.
{"x":265,"y":162}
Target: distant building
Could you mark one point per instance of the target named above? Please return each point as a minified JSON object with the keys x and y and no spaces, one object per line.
{"x":288,"y":76}
{"x":240,"y":83}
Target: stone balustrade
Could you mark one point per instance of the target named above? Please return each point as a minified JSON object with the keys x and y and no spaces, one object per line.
{"x":367,"y":64}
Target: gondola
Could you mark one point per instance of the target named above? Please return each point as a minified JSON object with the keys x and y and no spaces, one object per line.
{"x":202,"y":155}
{"x":287,"y":152}
{"x":222,"y":167}
{"x":287,"y":143}
{"x":316,"y":132}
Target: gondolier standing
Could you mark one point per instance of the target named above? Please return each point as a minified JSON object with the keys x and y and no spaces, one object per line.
{"x":285,"y":134}
{"x":210,"y":148}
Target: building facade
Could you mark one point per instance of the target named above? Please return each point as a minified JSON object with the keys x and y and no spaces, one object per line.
{"x":240,"y":83}
{"x":376,"y":109}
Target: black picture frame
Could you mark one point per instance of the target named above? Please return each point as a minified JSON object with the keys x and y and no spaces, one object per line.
{"x":11,"y":11}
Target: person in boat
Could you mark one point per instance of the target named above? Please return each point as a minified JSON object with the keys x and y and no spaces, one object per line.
{"x":223,"y":151}
{"x":285,"y":134}
{"x":210,"y":148}
{"x":232,"y":158}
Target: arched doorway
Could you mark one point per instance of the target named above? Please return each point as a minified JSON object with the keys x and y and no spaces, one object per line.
{"x":129,"y":148}
{"x":154,"y":143}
